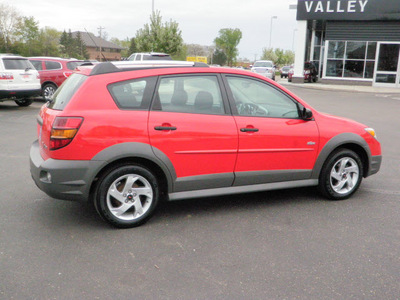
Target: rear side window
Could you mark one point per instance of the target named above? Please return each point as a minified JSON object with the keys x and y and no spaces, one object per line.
{"x":190,"y":94}
{"x":65,"y":92}
{"x":17,"y":64}
{"x":73,"y":64}
{"x":133,"y":94}
{"x":52,"y":65}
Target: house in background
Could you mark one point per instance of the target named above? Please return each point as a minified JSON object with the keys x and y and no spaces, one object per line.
{"x":98,"y":48}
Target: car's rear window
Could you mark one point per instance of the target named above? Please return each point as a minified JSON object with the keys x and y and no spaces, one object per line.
{"x":156,"y":57}
{"x":73,"y":64}
{"x":65,"y":92}
{"x":263,"y":64}
{"x":17,"y":64}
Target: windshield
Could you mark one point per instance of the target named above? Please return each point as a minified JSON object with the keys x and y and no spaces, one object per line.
{"x":65,"y":92}
{"x":17,"y":64}
{"x":263,"y":64}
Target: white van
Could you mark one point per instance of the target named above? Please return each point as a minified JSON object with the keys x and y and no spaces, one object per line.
{"x":19,"y":80}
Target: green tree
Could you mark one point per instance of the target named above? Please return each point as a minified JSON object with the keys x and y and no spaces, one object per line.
{"x":219,"y":57}
{"x":227,"y":41}
{"x":80,"y":50}
{"x":132,"y":47}
{"x":49,"y":39}
{"x":159,"y":37}
{"x":28,"y":37}
{"x":269,"y":54}
{"x":10,"y":22}
{"x":279,"y":56}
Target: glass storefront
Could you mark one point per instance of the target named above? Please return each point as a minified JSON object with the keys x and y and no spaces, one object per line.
{"x":350,"y":59}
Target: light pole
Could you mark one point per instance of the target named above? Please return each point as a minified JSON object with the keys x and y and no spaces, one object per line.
{"x":270,"y":33}
{"x":152,"y":6}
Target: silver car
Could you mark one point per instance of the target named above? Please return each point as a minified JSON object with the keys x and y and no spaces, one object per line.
{"x":265,"y":68}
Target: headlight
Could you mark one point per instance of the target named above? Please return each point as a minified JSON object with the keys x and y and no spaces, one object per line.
{"x":371,"y":131}
{"x":307,"y":72}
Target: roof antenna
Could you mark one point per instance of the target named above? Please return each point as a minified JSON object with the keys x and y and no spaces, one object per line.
{"x":105,"y":59}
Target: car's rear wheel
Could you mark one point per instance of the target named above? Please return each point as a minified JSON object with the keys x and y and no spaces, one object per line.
{"x":341,"y":175}
{"x":48,"y":90}
{"x":127,"y":196}
{"x":24,"y":102}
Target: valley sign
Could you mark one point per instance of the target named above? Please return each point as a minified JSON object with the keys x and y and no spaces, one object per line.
{"x":355,"y":10}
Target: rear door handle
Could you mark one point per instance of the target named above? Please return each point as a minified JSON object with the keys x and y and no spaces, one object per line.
{"x":249,"y":129}
{"x":165,"y":128}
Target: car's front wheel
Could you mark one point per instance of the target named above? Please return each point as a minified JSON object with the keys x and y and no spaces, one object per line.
{"x":341,"y":175}
{"x":24,"y":102}
{"x":127,"y":196}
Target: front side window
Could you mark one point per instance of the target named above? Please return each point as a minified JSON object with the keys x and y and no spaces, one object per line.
{"x":255,"y":98}
{"x":190,"y":94}
{"x":132,"y":94}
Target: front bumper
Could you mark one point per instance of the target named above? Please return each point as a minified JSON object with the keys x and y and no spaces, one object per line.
{"x":375,"y":165}
{"x":63,"y":179}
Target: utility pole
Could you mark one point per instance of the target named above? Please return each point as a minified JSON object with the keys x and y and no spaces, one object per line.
{"x":100,"y":30}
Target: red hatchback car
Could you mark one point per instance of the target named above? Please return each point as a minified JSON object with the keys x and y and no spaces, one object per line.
{"x":125,"y":135}
{"x":53,"y":72}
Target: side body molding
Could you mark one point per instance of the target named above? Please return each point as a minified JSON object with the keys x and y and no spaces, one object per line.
{"x":335,"y":142}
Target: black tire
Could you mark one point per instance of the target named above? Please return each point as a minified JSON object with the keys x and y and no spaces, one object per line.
{"x":48,"y":90}
{"x":135,"y":196}
{"x":24,"y":102}
{"x":341,"y":175}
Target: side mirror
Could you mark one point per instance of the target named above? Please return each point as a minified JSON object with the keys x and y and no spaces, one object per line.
{"x":306,"y":114}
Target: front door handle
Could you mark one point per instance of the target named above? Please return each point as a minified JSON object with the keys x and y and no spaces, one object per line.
{"x":165,"y":128}
{"x":249,"y":129}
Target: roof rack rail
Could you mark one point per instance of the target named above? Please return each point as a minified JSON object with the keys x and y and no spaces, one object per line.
{"x":120,"y":66}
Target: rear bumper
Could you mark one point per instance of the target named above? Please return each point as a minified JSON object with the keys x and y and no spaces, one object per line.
{"x":62,"y":179}
{"x":19,"y":93}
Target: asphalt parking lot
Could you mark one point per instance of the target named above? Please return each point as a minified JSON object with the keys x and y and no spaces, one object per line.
{"x":289,"y":244}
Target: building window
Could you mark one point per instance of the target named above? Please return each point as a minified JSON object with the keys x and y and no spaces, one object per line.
{"x":351,"y":59}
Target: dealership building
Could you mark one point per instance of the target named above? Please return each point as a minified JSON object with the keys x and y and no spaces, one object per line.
{"x":355,"y":42}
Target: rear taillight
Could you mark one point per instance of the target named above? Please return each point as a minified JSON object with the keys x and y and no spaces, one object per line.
{"x":67,"y":74}
{"x":63,"y":131}
{"x":6,"y":76}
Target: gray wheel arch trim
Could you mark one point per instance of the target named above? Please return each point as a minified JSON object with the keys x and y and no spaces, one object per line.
{"x":336,"y":142}
{"x":137,"y":150}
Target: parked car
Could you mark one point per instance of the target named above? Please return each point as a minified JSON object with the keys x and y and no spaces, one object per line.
{"x":19,"y":81}
{"x":265,"y":68}
{"x":310,"y":72}
{"x":284,"y":71}
{"x":53,"y":72}
{"x":149,"y":56}
{"x":125,"y":135}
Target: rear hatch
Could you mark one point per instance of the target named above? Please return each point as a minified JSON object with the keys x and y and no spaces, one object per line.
{"x":54,"y":130}
{"x":22,"y":75}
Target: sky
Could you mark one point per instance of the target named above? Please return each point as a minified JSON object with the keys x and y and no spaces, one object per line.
{"x":199,"y":21}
